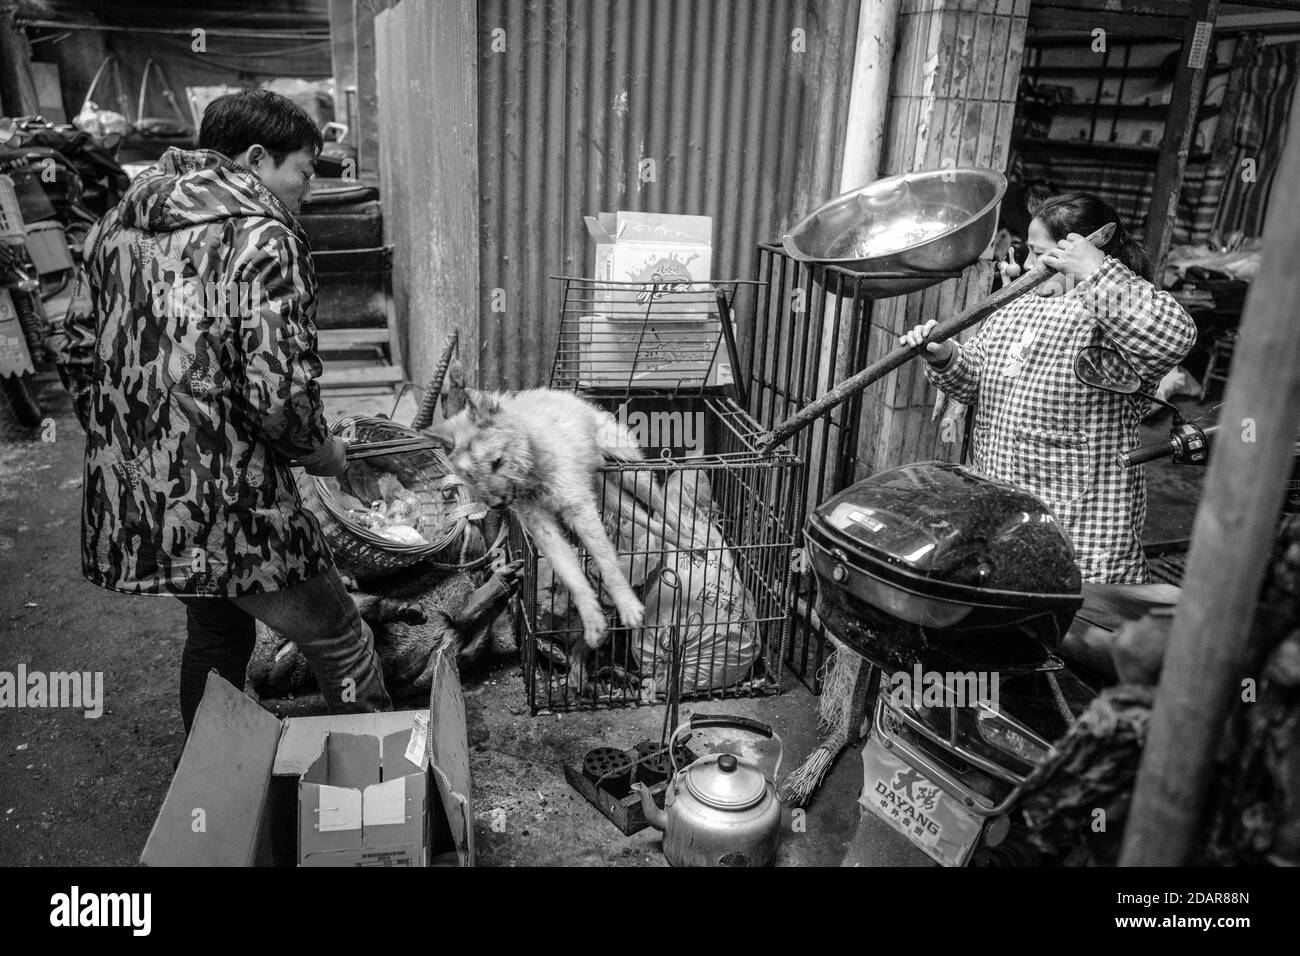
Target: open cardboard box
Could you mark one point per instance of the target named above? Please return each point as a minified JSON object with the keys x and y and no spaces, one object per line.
{"x":248,"y":786}
{"x":364,"y":800}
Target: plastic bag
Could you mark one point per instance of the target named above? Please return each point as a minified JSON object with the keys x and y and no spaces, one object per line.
{"x":699,"y":596}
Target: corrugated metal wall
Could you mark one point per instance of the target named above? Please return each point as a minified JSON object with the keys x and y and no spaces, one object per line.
{"x":740,"y":105}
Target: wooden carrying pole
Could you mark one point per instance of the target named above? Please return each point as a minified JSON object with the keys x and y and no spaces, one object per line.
{"x":1231,"y":542}
{"x":903,"y":354}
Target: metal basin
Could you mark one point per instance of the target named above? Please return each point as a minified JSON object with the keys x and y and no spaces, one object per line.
{"x":903,"y":233}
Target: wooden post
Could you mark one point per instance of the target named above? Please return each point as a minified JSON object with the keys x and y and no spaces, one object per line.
{"x":1231,"y":542}
{"x":343,"y":60}
{"x":428,"y":97}
{"x":1243,"y":54}
{"x":952,"y":99}
{"x":1180,"y":130}
{"x":366,"y":135}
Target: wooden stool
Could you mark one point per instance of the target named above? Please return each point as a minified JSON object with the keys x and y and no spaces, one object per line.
{"x":1220,"y":361}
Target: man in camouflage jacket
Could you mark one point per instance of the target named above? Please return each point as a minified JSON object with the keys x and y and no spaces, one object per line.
{"x":191,"y":355}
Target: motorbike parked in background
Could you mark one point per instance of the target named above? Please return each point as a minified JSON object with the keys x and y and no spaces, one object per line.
{"x":65,"y":181}
{"x":23,"y":329}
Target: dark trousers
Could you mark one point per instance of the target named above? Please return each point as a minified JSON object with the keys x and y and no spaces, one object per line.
{"x":318,"y":615}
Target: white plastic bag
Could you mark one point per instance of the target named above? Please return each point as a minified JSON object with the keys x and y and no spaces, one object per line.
{"x":698,"y":598}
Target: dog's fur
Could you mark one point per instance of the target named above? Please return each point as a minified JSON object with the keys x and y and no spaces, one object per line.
{"x":538,"y":453}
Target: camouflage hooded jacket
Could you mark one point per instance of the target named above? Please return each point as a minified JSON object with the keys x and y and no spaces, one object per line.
{"x":195,"y":355}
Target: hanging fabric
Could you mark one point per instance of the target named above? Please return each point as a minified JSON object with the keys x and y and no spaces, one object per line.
{"x":1261,"y":129}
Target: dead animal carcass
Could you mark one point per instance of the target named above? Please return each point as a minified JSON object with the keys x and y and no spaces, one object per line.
{"x":419,"y":611}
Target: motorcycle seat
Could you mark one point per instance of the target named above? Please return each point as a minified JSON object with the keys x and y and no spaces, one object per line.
{"x":1106,"y":609}
{"x":1110,"y":605}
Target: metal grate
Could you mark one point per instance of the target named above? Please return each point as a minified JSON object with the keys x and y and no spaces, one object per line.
{"x":802,"y":341}
{"x":633,"y":337}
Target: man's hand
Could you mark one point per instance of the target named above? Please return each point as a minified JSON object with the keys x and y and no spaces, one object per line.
{"x":330,"y":461}
{"x":936,"y":353}
{"x":1074,"y":256}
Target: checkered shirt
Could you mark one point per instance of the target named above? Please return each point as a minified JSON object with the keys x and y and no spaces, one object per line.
{"x":1039,"y":427}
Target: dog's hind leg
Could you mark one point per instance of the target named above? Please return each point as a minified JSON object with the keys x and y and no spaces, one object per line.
{"x":553,"y":546}
{"x":586,"y":524}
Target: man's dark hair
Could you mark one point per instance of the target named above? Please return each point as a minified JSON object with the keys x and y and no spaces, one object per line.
{"x":236,"y":121}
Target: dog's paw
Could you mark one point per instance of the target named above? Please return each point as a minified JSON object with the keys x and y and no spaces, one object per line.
{"x":594,"y":631}
{"x":631,"y":612}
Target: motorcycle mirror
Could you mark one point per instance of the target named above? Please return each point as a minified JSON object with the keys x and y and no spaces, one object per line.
{"x":1105,"y":368}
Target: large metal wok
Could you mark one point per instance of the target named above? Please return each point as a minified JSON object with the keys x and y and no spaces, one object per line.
{"x":903,"y":233}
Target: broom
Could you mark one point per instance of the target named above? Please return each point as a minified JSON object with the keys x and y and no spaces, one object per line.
{"x":846,"y":682}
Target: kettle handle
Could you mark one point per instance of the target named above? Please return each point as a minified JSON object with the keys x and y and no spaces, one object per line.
{"x":705,"y":721}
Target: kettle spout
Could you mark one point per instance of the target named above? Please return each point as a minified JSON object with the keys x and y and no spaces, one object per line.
{"x":653,"y":815}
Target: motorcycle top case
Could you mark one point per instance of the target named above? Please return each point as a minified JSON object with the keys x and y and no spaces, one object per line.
{"x":935,"y":547}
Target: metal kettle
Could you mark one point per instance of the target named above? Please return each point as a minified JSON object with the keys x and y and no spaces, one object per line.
{"x":720,"y":810}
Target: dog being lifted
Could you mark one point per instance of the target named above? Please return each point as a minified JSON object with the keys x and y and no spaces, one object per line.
{"x":538,"y":453}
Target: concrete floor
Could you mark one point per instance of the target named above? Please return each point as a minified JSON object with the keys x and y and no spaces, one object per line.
{"x":85,"y":792}
{"x":517,"y":766}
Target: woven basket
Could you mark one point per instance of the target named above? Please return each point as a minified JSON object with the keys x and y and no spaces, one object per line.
{"x":446,"y":504}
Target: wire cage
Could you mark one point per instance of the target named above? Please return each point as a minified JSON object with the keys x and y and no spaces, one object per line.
{"x":705,"y":526}
{"x":626,"y":338}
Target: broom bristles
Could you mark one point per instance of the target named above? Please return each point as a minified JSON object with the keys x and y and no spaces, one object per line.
{"x":836,"y":712}
{"x":804,"y":780}
{"x":839,"y":675}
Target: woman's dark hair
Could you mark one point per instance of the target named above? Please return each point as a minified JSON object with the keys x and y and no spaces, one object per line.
{"x":1084,"y":213}
{"x":236,"y":121}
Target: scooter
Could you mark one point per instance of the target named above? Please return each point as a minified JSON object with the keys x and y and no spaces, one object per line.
{"x":64,"y":182}
{"x":16,"y":366}
{"x":23,"y":325}
{"x":964,"y":593}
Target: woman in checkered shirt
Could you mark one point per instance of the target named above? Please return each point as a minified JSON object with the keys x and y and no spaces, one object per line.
{"x":1036,"y":425}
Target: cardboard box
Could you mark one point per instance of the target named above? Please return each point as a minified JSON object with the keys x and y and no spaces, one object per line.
{"x":242,"y":793}
{"x":651,"y":247}
{"x":646,"y":336}
{"x":362,"y":802}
